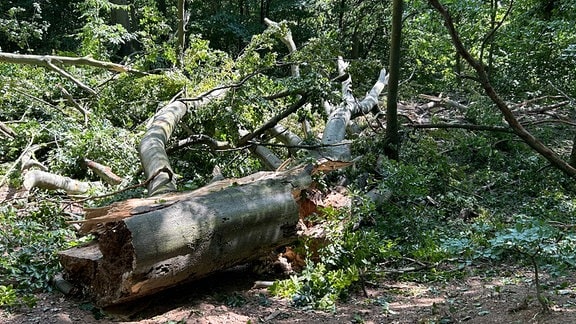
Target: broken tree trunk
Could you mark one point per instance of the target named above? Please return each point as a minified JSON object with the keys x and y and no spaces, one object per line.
{"x":147,"y":245}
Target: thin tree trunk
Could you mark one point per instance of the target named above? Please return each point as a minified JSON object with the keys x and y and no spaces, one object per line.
{"x":181,"y":31}
{"x":392,"y":139}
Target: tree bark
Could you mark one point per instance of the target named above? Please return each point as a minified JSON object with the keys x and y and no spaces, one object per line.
{"x":152,"y":148}
{"x":335,"y":147}
{"x":147,"y":245}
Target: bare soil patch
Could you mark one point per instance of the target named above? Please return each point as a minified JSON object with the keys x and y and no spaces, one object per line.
{"x":228,"y":297}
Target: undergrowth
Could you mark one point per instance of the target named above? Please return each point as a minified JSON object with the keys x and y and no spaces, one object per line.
{"x":29,"y":241}
{"x":458,"y":198}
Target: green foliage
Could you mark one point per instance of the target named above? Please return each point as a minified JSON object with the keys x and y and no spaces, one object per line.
{"x":340,"y":263}
{"x":478,"y":196}
{"x":153,"y":33}
{"x":99,"y":142}
{"x":30,"y":239}
{"x":97,"y":37}
{"x":317,"y":286}
{"x":138,"y":98}
{"x":21,"y":27}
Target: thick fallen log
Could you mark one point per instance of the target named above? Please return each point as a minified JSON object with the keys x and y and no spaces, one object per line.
{"x":147,"y":245}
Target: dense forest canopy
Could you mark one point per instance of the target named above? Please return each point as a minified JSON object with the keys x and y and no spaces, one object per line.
{"x":466,"y":186}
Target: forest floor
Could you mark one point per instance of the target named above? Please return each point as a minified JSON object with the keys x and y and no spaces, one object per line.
{"x":507,"y":296}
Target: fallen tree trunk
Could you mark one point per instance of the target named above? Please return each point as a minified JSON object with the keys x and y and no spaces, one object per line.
{"x":147,"y":245}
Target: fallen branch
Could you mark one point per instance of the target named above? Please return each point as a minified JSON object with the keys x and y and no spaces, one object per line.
{"x":550,"y":121}
{"x":42,"y":60}
{"x":212,"y":143}
{"x":208,"y":95}
{"x":546,"y":108}
{"x":75,"y":104}
{"x":443,"y":101}
{"x":502,"y":129}
{"x":7,"y":131}
{"x":103,"y":172}
{"x":273,"y":121}
{"x":50,"y":181}
{"x":70,"y":77}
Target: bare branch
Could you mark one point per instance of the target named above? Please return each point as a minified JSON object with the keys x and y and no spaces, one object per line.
{"x":103,"y":172}
{"x":200,"y":139}
{"x":75,"y":104}
{"x":493,"y":31}
{"x":210,"y":93}
{"x":70,"y":77}
{"x":7,"y":130}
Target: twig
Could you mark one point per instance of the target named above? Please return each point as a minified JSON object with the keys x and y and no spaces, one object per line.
{"x":533,"y":100}
{"x":35,"y":98}
{"x":283,"y":94}
{"x":200,"y":139}
{"x":233,"y":85}
{"x":75,"y":104}
{"x":7,"y":130}
{"x":546,"y":108}
{"x":544,"y":121}
{"x":13,"y":166}
{"x":493,"y":31}
{"x":297,"y":146}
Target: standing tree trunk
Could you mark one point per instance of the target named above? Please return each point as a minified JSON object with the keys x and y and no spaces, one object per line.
{"x":181,"y":31}
{"x":392,"y":139}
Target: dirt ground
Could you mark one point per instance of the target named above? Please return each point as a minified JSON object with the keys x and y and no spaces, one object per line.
{"x":229,"y":298}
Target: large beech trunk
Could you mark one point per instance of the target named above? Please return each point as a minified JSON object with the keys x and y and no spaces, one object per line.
{"x":146,"y":245}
